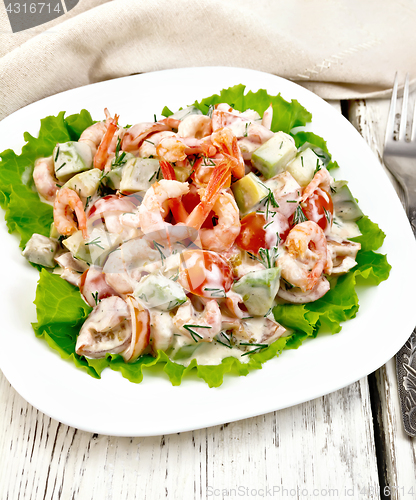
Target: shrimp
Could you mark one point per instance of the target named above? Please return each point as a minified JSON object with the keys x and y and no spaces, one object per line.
{"x":178,"y":148}
{"x":307,"y":256}
{"x":321,"y":180}
{"x":136,"y":134}
{"x":67,"y":202}
{"x":147,"y":149}
{"x":102,"y":154}
{"x":44,"y":178}
{"x":150,"y":211}
{"x":196,"y":126}
{"x":227,"y":144}
{"x":222,"y":236}
{"x":93,"y":136}
{"x":200,"y":327}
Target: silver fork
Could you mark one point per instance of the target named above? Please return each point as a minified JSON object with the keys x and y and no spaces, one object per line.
{"x":400,"y":158}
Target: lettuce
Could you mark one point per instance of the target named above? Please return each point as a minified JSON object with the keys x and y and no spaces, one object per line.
{"x":61,"y":310}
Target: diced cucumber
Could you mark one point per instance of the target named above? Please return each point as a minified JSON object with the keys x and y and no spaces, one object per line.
{"x":273,"y":156}
{"x":40,"y":250}
{"x":96,"y":248}
{"x":182,"y":173}
{"x":183,"y":113}
{"x":303,"y":166}
{"x":248,"y":192}
{"x":76,"y":245}
{"x":112,"y":178}
{"x":160,"y":292}
{"x":71,"y":158}
{"x":100,"y":243}
{"x":86,"y":183}
{"x":54,"y":233}
{"x":345,"y":205}
{"x":139,"y":174}
{"x":258,"y":290}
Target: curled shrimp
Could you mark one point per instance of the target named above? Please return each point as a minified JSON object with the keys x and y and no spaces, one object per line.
{"x":227,"y":144}
{"x":67,"y":202}
{"x":321,"y":180}
{"x":44,"y":178}
{"x":222,"y":236}
{"x":93,"y":136}
{"x":135,"y":135}
{"x":151,"y":209}
{"x":307,"y":256}
{"x":178,"y":148}
{"x":196,"y":126}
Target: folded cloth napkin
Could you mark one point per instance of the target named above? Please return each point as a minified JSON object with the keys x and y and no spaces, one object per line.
{"x":339,"y":49}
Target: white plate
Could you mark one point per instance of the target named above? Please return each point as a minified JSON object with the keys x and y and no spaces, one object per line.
{"x":116,"y":406}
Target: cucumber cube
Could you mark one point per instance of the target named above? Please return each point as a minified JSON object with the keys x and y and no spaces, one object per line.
{"x":248,"y":192}
{"x":273,"y":156}
{"x":139,"y":174}
{"x":160,"y":292}
{"x":86,"y":183}
{"x":258,"y":290}
{"x":71,"y":158}
{"x":76,"y":245}
{"x":345,"y":205}
{"x":303,"y":166}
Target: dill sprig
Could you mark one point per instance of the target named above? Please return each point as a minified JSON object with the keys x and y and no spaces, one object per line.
{"x":96,"y":241}
{"x":119,"y":158}
{"x":193,"y":333}
{"x":299,"y":216}
{"x":157,"y":246}
{"x":216,"y":292}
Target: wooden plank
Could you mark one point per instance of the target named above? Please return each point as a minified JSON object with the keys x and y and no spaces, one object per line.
{"x":325,"y":445}
{"x":398,"y":459}
{"x":322,"y":448}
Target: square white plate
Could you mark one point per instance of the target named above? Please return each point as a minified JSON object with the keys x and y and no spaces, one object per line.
{"x":116,"y":406}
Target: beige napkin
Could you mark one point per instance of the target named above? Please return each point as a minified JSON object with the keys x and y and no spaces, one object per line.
{"x":340,"y":49}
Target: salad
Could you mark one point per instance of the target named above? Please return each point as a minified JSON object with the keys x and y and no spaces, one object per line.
{"x":208,"y":239}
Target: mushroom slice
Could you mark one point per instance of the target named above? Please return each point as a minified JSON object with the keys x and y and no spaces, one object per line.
{"x":343,"y":254}
{"x":296,"y":296}
{"x":107,"y":329}
{"x":140,"y":329}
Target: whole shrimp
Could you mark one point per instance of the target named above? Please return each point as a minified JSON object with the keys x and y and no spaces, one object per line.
{"x":178,"y":148}
{"x":222,"y":236}
{"x":44,"y":178}
{"x":307,"y":256}
{"x":67,"y":203}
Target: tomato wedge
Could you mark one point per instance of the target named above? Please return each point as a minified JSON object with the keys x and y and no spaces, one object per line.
{"x":319,"y":208}
{"x":258,"y":233}
{"x":205,"y":273}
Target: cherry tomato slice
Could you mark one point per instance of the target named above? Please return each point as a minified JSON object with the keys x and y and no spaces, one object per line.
{"x":319,"y":208}
{"x":205,"y":273}
{"x":256,"y":233}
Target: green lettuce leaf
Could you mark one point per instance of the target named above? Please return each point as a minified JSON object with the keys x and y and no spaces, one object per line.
{"x":61,"y":309}
{"x":286,"y":115}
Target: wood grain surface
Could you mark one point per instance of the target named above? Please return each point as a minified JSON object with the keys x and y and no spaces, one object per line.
{"x":397,"y":456}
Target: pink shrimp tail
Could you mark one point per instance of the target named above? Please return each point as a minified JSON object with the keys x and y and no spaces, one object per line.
{"x":101,"y":156}
{"x":220,"y":177}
